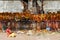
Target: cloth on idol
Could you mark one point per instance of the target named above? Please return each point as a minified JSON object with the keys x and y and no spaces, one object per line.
{"x":8,"y":31}
{"x":12,"y":35}
{"x":0,"y":26}
{"x":48,"y":28}
{"x":4,"y":27}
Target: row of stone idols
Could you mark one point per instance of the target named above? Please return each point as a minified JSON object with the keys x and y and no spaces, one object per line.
{"x":27,"y":15}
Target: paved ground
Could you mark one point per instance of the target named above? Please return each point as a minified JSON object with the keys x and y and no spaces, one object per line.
{"x":56,"y":36}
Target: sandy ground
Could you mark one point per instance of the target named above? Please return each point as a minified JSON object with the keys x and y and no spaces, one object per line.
{"x":55,"y":36}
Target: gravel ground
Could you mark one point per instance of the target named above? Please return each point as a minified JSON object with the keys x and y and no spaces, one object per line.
{"x":55,"y":36}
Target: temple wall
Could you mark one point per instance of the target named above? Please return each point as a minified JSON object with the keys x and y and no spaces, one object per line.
{"x":17,"y":6}
{"x":11,"y":6}
{"x":51,"y":6}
